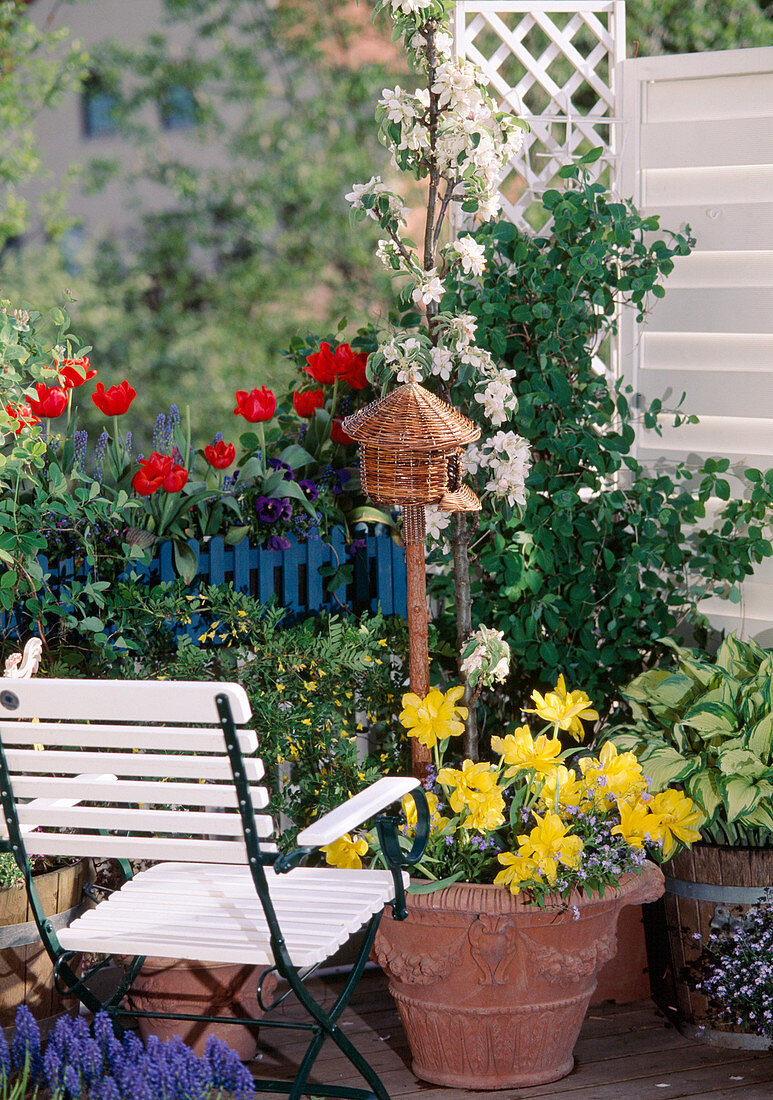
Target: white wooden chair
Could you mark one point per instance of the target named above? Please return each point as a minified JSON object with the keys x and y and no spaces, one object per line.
{"x":125,"y":773}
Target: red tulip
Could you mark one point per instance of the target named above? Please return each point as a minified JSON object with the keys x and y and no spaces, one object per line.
{"x":256,"y":405}
{"x":116,"y":400}
{"x":322,"y":365}
{"x":175,"y":479}
{"x":352,"y":366}
{"x":147,"y":480}
{"x":220,"y":455}
{"x":338,"y":435}
{"x":74,"y":372}
{"x":23,"y":415}
{"x":51,"y":401}
{"x":306,"y":402}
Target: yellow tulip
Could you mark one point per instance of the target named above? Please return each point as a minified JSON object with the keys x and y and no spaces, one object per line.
{"x":434,"y":718}
{"x":550,"y":843}
{"x":567,"y":710}
{"x":346,"y":852}
{"x":680,"y":819}
{"x":516,"y":870}
{"x":519,"y":750}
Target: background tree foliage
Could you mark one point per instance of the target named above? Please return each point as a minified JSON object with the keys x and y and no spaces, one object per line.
{"x":673,"y":26}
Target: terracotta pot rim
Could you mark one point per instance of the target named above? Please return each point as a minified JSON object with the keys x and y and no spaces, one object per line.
{"x":632,"y":883}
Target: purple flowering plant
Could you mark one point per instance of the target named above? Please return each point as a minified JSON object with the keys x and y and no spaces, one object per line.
{"x":79,"y":1062}
{"x":736,"y":969}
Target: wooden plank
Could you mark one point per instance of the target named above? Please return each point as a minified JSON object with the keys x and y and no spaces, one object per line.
{"x":712,"y":184}
{"x":745,"y":353}
{"x":144,"y":764}
{"x":170,"y":738}
{"x":735,"y":393}
{"x":216,"y":560}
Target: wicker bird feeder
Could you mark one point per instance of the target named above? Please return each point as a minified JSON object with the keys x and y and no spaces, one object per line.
{"x":412,"y":454}
{"x":412,"y":450}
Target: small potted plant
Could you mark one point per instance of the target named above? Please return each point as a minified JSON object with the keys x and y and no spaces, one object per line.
{"x":530,"y":859}
{"x":704,"y":725}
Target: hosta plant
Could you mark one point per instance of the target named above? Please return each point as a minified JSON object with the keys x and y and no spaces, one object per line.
{"x":705,"y":724}
{"x":538,"y":818}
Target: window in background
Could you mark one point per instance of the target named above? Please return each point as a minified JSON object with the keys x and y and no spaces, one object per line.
{"x":98,"y":105}
{"x":177,"y":107}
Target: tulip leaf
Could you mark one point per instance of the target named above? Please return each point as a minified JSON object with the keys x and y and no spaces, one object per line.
{"x":290,"y":489}
{"x":296,"y":456}
{"x":431,"y":887}
{"x":186,"y":561}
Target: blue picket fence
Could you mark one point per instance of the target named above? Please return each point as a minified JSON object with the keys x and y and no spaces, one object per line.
{"x":290,"y":576}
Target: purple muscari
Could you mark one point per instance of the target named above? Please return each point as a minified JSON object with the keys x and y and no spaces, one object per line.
{"x":327,"y":474}
{"x":72,"y":1083}
{"x":228,"y":1073}
{"x":5,"y":1059}
{"x":278,"y":542}
{"x":26,"y":1044}
{"x":174,"y":415}
{"x":133,"y":1084}
{"x":99,"y":454}
{"x":270,"y":510}
{"x":52,"y":1068}
{"x":310,"y":489}
{"x":217,"y":438}
{"x":107,"y":1089}
{"x":159,"y":433}
{"x":302,"y":433}
{"x":79,"y":455}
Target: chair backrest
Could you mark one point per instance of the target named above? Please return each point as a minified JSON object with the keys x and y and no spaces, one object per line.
{"x":125,"y":757}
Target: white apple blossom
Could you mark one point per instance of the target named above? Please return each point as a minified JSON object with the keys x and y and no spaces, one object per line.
{"x":429,"y":287}
{"x":461,"y":330}
{"x":489,"y":206}
{"x":486,"y":657}
{"x":470,"y":254}
{"x":442,"y":363}
{"x":386,"y":252}
{"x":411,"y":373}
{"x":376,"y":187}
{"x":498,"y":400}
{"x":410,"y":7}
{"x":437,"y":520}
{"x":398,"y":105}
{"x":507,"y":458}
{"x":456,"y":85}
{"x":477,"y":358}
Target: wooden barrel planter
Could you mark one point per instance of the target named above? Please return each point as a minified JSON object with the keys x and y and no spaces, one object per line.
{"x":706,"y":884}
{"x":26,"y":972}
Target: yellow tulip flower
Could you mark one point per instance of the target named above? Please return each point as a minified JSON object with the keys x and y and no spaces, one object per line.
{"x":519,"y":750}
{"x":638,"y":824}
{"x":572,"y":791}
{"x":346,"y":852}
{"x":680,"y":819}
{"x":550,"y":843}
{"x":613,"y":777}
{"x":434,"y":718}
{"x":567,"y":710}
{"x":516,"y":870}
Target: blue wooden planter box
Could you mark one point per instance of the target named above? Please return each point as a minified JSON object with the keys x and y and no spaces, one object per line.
{"x":291,"y":576}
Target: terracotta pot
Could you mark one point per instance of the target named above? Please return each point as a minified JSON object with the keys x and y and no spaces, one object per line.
{"x":207,"y":989}
{"x":492,"y":991}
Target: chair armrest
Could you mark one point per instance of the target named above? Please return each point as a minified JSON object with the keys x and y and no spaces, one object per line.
{"x":355,"y":811}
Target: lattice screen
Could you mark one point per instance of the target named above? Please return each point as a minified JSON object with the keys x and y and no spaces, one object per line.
{"x":554,"y":64}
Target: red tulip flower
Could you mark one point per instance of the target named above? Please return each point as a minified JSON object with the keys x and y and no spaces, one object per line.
{"x":255,"y":406}
{"x":307,"y":402}
{"x":74,"y":372}
{"x":326,"y":365}
{"x":116,"y":400}
{"x":23,"y":416}
{"x":220,"y":455}
{"x":51,"y":401}
{"x":322,"y":365}
{"x":338,"y":435}
{"x":351,"y":366}
{"x":159,"y":472}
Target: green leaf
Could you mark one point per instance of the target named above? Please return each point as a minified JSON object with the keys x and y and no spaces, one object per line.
{"x":186,"y":561}
{"x":741,"y":762}
{"x":290,"y":489}
{"x":663,"y":765}
{"x":740,"y":796}
{"x":235,"y":535}
{"x":296,"y":456}
{"x":759,"y":738}
{"x":703,"y":791}
{"x":711,"y":718}
{"x":366,"y":513}
{"x":431,"y":887}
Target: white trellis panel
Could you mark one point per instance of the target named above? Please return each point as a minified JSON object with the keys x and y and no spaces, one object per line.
{"x":701,"y":153}
{"x":554,"y":64}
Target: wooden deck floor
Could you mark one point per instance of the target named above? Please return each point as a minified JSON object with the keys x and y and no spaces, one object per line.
{"x":624,"y":1053}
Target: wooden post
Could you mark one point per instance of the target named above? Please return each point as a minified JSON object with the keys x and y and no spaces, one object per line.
{"x":414,"y":532}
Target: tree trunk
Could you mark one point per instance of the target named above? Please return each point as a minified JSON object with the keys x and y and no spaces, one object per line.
{"x":462,"y":596}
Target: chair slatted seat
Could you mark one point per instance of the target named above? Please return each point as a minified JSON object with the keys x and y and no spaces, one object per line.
{"x":158,"y":771}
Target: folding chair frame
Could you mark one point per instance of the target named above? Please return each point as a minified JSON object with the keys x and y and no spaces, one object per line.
{"x":322,"y":1024}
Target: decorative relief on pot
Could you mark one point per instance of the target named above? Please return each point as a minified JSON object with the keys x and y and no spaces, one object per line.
{"x":492,"y":947}
{"x":419,"y":967}
{"x":566,"y":967}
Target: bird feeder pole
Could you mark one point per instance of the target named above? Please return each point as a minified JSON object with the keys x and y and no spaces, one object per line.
{"x":411,"y":447}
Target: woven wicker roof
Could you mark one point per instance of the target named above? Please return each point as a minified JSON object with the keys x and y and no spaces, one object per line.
{"x":463,"y":500}
{"x":413,"y":419}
